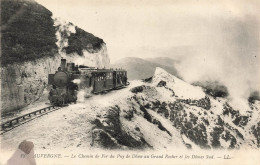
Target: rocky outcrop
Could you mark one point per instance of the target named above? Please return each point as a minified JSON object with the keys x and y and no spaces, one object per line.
{"x":256,"y":132}
{"x":24,"y":83}
{"x":164,"y":112}
{"x":108,"y":133}
{"x":99,"y":59}
{"x":79,"y":46}
{"x":204,"y":102}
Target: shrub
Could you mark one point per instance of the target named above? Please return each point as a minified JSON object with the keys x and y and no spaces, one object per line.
{"x":82,"y":40}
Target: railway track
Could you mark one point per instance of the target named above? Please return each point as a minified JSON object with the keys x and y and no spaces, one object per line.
{"x":13,"y":123}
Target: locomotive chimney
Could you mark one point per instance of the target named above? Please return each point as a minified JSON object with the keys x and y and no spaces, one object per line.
{"x":63,"y":64}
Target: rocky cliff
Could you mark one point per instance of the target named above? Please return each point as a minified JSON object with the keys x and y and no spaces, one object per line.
{"x":23,"y":83}
{"x":33,"y":42}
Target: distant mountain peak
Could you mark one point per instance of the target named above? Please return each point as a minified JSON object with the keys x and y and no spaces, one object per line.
{"x":139,"y":68}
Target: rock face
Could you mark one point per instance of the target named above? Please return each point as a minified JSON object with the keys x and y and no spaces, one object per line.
{"x":24,"y":83}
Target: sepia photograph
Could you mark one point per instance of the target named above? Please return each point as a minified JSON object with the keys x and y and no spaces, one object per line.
{"x":130,"y":82}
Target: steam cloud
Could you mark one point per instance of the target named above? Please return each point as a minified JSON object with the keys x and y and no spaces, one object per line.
{"x":77,"y":81}
{"x":229,"y":54}
{"x":82,"y":93}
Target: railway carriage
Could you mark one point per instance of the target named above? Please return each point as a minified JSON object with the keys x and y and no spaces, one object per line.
{"x":70,"y":78}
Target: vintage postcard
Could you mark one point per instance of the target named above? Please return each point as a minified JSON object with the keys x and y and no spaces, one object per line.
{"x":130,"y":82}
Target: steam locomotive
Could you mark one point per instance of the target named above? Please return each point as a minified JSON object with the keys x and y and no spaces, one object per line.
{"x":70,"y":78}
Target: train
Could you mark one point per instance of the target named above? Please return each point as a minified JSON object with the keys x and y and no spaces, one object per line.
{"x":70,"y":78}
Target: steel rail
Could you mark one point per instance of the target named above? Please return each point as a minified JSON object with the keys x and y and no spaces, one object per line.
{"x":13,"y":123}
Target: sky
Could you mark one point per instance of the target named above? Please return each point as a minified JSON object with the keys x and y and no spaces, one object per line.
{"x":214,"y":40}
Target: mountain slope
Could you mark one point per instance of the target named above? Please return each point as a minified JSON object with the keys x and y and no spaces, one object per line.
{"x":166,"y":61}
{"x":138,"y":68}
{"x":185,"y":115}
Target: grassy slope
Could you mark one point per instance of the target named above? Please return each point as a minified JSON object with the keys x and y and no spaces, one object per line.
{"x":28,"y":31}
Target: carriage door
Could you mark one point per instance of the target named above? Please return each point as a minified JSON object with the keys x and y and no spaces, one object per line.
{"x":114,"y":79}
